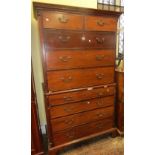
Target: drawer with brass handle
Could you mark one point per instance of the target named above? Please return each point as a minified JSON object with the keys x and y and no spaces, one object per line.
{"x":66,"y":79}
{"x":65,"y":58}
{"x":100,"y":115}
{"x":76,"y":96}
{"x":100,"y":103}
{"x":102,"y":23}
{"x":68,"y":99}
{"x":82,"y":130}
{"x":59,"y":20}
{"x":69,"y":59}
{"x":100,"y":40}
{"x":70,"y":135}
{"x":64,"y":40}
{"x":100,"y":126}
{"x":65,"y":136}
{"x":100,"y":57}
{"x":79,"y":78}
{"x":70,"y":121}
{"x":63,"y":19}
{"x":100,"y":76}
{"x":70,"y":108}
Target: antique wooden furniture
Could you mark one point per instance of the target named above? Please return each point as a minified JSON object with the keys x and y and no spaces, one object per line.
{"x":78,"y":57}
{"x":36,"y":140}
{"x":120,"y":100}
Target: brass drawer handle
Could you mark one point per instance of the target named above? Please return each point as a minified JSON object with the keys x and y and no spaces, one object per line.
{"x":69,"y":122}
{"x":64,"y":38}
{"x":99,"y":104}
{"x":67,"y":79}
{"x":100,"y":94}
{"x":68,"y":98}
{"x":99,"y":76}
{"x":100,"y":40}
{"x":68,"y":110}
{"x":100,"y":22}
{"x":100,"y":115}
{"x":63,"y":19}
{"x":65,"y":58}
{"x":99,"y":126}
{"x":99,"y":57}
{"x":70,"y":135}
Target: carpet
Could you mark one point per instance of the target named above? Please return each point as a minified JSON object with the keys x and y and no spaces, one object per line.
{"x":98,"y":146}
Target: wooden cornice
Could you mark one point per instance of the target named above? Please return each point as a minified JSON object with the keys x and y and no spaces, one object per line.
{"x":38,"y":7}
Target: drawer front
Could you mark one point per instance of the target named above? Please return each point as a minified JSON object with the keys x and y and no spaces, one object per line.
{"x":60,"y":20}
{"x":71,"y":108}
{"x":82,"y":131}
{"x":64,"y":137}
{"x":101,"y":40}
{"x":94,"y":127}
{"x":62,"y":80}
{"x":77,"y":40}
{"x":81,"y":118}
{"x":69,"y":59}
{"x":99,"y":23}
{"x":81,"y":95}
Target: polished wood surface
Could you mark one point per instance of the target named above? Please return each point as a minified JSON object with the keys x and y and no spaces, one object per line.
{"x":58,"y":39}
{"x":71,"y":108}
{"x":71,"y":59}
{"x":76,"y":96}
{"x":63,"y":123}
{"x":102,"y":23}
{"x":61,"y":20}
{"x":79,"y":70}
{"x":120,"y":100}
{"x":82,"y":131}
{"x":70,"y":79}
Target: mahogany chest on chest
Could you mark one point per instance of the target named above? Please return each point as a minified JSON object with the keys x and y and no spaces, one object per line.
{"x":78,"y":57}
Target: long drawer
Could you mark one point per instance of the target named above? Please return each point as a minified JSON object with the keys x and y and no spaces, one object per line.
{"x":68,"y":59}
{"x":59,"y":39}
{"x":82,"y":131}
{"x":71,"y":108}
{"x":62,"y":80}
{"x":63,"y":123}
{"x":76,"y":96}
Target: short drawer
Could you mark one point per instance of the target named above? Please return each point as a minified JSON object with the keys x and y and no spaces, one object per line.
{"x":72,"y":108}
{"x":66,"y":122}
{"x":78,"y":40}
{"x":69,"y":59}
{"x":100,"y":23}
{"x":82,"y":131}
{"x":69,"y":79}
{"x":76,"y":96}
{"x":60,"y":20}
